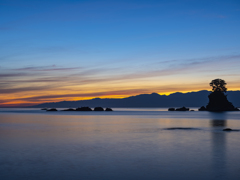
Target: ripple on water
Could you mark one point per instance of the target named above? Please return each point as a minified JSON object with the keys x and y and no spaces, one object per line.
{"x":181,"y":128}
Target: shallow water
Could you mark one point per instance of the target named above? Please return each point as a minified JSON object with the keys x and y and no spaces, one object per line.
{"x":123,"y":144}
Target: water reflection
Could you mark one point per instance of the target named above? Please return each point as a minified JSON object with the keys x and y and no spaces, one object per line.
{"x":218,"y":138}
{"x":218,"y":123}
{"x":119,"y":146}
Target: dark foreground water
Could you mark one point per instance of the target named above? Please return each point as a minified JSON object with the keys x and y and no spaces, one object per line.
{"x":125,"y":144}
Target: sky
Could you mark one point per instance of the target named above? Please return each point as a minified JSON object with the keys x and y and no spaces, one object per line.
{"x":56,"y":50}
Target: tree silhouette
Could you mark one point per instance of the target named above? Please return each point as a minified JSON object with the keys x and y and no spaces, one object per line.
{"x":217,"y":99}
{"x":218,"y":85}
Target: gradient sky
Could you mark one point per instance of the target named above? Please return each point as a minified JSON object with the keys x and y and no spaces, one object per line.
{"x":55,"y":50}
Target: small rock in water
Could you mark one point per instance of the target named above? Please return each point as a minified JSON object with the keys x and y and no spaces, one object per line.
{"x":70,"y":109}
{"x":53,"y":109}
{"x":108,"y":109}
{"x":171,"y":109}
{"x":181,"y":128}
{"x":227,"y":129}
{"x":98,"y":109}
{"x":202,"y":108}
{"x":182,"y":109}
{"x":84,"y":109}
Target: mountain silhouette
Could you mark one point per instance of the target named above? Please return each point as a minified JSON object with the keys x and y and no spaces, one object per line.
{"x":191,"y":99}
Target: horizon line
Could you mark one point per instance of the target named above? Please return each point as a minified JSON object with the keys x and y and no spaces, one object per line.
{"x":26,"y":105}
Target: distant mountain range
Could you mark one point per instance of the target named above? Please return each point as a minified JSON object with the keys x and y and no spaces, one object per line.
{"x":191,"y":99}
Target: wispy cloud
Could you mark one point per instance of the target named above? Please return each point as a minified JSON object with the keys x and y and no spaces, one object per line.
{"x":80,"y":82}
{"x":46,"y":68}
{"x":95,"y":75}
{"x":5,"y":75}
{"x":83,"y":95}
{"x":24,"y":89}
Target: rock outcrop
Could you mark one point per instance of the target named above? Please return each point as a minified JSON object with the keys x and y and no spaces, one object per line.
{"x":182,"y":109}
{"x":218,"y":102}
{"x":81,"y":109}
{"x":202,"y":108}
{"x":70,"y":109}
{"x":84,"y":109}
{"x":108,"y":109}
{"x":53,"y":109}
{"x":217,"y":99}
{"x":98,"y":109}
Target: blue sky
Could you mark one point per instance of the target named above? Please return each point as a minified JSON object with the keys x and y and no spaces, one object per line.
{"x":116,"y":48}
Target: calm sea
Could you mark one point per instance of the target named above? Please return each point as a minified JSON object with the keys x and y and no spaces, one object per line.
{"x":139,"y":144}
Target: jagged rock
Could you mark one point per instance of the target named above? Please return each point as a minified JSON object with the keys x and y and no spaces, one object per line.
{"x":53,"y":109}
{"x":182,"y":109}
{"x":218,"y":102}
{"x":98,"y":109}
{"x":70,"y":109}
{"x":84,"y":109}
{"x":202,"y":109}
{"x":108,"y":109}
{"x":192,"y":110}
{"x":171,"y":109}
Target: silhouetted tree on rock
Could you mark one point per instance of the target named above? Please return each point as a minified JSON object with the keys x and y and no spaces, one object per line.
{"x":217,"y":99}
{"x":218,"y":85}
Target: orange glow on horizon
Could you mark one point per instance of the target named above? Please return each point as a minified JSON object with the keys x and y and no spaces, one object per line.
{"x":39,"y":97}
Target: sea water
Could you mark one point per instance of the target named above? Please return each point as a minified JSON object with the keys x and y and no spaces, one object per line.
{"x":141,"y":144}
